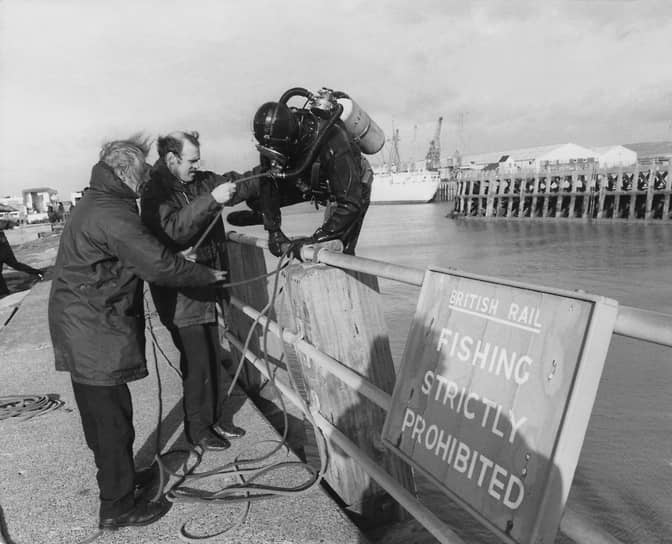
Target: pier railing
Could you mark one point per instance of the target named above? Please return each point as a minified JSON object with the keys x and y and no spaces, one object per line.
{"x":635,"y":193}
{"x":347,"y":358}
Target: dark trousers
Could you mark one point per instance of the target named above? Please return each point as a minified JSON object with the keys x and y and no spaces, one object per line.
{"x":107,"y":418}
{"x":200,"y":364}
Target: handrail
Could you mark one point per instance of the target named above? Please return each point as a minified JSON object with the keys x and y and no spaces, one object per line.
{"x":440,"y":530}
{"x":644,"y":325}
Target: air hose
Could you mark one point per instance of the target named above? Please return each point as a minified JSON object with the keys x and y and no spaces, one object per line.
{"x":247,"y":471}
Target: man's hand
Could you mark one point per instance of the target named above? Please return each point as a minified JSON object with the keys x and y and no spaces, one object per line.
{"x":189,"y":255}
{"x":219,"y":275}
{"x":224,"y":192}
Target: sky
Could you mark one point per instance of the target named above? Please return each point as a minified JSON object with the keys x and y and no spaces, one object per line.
{"x":77,"y":73}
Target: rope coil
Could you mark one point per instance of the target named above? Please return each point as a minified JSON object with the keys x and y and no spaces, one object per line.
{"x":26,"y":407}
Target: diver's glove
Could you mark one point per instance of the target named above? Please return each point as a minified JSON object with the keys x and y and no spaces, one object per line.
{"x":297,"y":244}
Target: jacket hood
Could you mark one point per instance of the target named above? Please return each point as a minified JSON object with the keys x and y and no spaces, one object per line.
{"x":104,"y":179}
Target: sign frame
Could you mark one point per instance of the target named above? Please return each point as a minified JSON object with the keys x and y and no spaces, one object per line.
{"x":576,"y":406}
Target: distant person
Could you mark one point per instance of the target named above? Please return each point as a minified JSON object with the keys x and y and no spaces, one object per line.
{"x":178,"y":205}
{"x":96,"y":319}
{"x":7,"y":258}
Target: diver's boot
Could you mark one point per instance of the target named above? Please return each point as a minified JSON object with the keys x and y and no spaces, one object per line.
{"x":278,"y":243}
{"x":245,"y":218}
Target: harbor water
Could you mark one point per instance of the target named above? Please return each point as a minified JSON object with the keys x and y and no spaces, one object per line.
{"x":624,"y":477}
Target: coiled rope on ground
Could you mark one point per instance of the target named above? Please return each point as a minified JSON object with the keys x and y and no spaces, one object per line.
{"x":24,"y":407}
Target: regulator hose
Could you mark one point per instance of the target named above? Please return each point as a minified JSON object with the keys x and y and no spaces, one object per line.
{"x":314,"y":150}
{"x":294,"y":91}
{"x":247,"y":471}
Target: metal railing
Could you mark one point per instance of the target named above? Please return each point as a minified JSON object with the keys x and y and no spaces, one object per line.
{"x":632,"y":322}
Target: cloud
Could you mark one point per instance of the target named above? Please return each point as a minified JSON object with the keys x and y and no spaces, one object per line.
{"x":77,"y":72}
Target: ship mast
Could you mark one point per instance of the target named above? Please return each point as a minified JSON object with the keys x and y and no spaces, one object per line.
{"x":395,"y":159}
{"x":433,"y":157}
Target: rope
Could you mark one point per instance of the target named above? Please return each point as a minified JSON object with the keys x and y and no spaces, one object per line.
{"x":26,"y":407}
{"x":246,"y":471}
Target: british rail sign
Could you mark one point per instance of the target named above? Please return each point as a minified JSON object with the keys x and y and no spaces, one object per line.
{"x":494,"y":395}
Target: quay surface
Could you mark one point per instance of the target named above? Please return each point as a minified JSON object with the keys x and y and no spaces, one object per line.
{"x":48,"y":491}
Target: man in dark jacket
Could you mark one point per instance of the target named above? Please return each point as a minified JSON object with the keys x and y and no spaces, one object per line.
{"x":96,"y":318}
{"x":178,"y":205}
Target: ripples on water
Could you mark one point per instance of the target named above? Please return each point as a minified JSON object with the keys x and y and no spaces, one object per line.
{"x":624,"y":477}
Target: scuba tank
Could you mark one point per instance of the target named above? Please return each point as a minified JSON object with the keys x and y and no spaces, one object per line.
{"x":361,"y":127}
{"x":364,"y":130}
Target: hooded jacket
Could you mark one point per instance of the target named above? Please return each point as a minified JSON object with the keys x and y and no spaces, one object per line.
{"x":178,"y":213}
{"x":96,"y":314}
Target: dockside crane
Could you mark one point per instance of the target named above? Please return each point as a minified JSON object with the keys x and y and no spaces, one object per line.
{"x":433,"y":157}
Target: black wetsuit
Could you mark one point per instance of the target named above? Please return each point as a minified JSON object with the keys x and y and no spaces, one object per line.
{"x":339,"y":178}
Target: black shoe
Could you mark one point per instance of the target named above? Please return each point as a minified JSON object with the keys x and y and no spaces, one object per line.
{"x":278,"y":243}
{"x":214,"y":442}
{"x":228,"y":430}
{"x":143,"y":513}
{"x":245,"y":218}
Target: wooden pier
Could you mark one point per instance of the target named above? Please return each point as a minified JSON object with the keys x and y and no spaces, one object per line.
{"x":636,"y":193}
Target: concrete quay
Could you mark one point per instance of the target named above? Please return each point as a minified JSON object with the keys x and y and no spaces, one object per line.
{"x":48,"y":491}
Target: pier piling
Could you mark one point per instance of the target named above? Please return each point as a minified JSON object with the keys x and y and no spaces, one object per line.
{"x":637,"y":193}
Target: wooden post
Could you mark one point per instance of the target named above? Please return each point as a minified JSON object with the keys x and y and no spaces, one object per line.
{"x":558,"y":202}
{"x":339,"y":313}
{"x":667,"y":195}
{"x":633,"y":192}
{"x":648,"y":213}
{"x":602,"y":180}
{"x":535,"y":195}
{"x":544,"y":208}
{"x":509,"y":203}
{"x":588,"y":191}
{"x":572,"y":195}
{"x":490,"y":197}
{"x":617,"y":194}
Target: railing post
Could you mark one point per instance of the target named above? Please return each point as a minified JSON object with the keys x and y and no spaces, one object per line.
{"x":339,"y":313}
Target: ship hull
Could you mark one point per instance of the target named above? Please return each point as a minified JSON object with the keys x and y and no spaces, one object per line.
{"x":404,"y":187}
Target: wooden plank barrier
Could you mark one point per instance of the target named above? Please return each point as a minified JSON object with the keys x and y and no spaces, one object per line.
{"x":639,"y":193}
{"x":339,"y":314}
